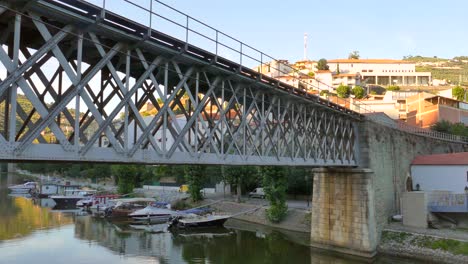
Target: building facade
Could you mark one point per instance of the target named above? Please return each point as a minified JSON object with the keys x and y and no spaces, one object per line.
{"x":425,"y":109}
{"x":382,"y":71}
{"x":441,"y":172}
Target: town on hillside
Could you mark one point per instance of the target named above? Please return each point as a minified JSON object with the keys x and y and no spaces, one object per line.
{"x":420,"y":91}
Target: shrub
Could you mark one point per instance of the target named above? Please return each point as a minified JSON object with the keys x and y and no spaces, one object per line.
{"x":393,"y":88}
{"x":358,"y":92}
{"x":343,"y":91}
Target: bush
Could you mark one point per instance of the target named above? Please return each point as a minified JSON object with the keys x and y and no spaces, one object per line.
{"x":343,"y":91}
{"x":358,"y":92}
{"x":277,"y":212}
{"x":324,"y":92}
{"x":393,"y":88}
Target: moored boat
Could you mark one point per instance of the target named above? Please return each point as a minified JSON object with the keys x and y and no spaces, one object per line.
{"x":71,"y":197}
{"x":27,"y":187}
{"x":198,"y":221}
{"x":155,"y":213}
{"x":122,"y":207}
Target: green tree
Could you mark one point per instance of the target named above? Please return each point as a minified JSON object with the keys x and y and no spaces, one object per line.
{"x":458,"y":93}
{"x":195,"y":178}
{"x":125,"y":175}
{"x":354,"y":55}
{"x":241,"y":177}
{"x":322,"y":65}
{"x":343,"y":91}
{"x":275,"y":185}
{"x":358,"y":92}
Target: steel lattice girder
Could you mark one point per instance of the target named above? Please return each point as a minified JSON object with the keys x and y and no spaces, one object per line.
{"x":202,"y":114}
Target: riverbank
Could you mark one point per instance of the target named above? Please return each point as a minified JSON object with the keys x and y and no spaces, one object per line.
{"x":434,"y":245}
{"x":296,"y":220}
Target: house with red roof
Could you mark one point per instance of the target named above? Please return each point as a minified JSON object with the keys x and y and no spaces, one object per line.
{"x":440,"y":172}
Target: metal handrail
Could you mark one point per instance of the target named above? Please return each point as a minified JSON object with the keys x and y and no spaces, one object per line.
{"x":359,"y":108}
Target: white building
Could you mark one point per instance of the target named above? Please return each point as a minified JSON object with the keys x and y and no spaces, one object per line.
{"x":382,"y":71}
{"x":441,"y":172}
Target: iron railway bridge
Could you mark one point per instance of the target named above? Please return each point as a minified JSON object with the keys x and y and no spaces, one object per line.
{"x":80,"y":82}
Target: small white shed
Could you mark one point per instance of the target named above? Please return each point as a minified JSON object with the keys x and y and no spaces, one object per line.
{"x":447,"y":172}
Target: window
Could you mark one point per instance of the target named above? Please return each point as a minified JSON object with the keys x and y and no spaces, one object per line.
{"x":371,"y":70}
{"x":364,"y":70}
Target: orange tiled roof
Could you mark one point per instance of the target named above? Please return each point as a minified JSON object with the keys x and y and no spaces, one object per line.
{"x":345,"y":75}
{"x":373,"y":61}
{"x":323,"y":71}
{"x":442,"y":159}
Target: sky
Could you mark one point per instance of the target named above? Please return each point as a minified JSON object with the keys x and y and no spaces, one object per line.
{"x":377,"y":29}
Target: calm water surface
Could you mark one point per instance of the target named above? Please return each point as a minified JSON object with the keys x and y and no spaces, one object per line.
{"x":31,"y":233}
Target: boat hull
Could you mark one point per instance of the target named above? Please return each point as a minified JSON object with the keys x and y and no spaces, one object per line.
{"x":177,"y":223}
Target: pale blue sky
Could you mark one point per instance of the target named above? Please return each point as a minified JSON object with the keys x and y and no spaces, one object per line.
{"x":378,"y":29}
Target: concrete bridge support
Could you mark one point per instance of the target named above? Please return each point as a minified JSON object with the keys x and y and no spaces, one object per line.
{"x":343,"y":212}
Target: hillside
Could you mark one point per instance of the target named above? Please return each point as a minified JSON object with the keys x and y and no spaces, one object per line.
{"x":453,"y":70}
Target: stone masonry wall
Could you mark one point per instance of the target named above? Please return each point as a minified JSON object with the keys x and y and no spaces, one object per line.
{"x":343,"y":211}
{"x":388,"y":153}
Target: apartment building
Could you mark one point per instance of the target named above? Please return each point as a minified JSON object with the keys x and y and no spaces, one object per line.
{"x":425,"y":109}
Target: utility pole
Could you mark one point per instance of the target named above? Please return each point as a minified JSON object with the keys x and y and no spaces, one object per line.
{"x":305,"y":46}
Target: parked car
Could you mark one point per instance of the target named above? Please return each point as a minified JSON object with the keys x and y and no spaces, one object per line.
{"x":257,"y":193}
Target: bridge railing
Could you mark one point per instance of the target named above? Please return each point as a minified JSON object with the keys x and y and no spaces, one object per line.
{"x":176,"y":24}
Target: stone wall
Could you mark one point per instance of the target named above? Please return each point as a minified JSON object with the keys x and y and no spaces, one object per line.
{"x":388,"y":153}
{"x":343,"y":217}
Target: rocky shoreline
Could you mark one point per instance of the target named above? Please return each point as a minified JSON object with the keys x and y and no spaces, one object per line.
{"x":423,"y":247}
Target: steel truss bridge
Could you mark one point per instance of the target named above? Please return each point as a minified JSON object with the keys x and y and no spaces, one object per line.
{"x":85,"y":77}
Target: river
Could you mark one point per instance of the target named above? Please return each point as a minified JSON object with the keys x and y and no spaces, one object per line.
{"x":31,"y":232}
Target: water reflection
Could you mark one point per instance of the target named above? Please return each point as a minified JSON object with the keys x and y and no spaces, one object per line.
{"x":20,"y":216}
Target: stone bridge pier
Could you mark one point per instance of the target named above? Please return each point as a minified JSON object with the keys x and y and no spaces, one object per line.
{"x":351,"y":206}
{"x":343,"y":216}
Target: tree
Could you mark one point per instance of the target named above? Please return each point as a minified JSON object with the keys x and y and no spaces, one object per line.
{"x":343,"y":91}
{"x":354,"y":55}
{"x":322,"y":65}
{"x":358,"y":92}
{"x":195,"y":177}
{"x":241,"y":176}
{"x":275,"y":184}
{"x":442,"y":126}
{"x":125,"y":175}
{"x":458,"y":93}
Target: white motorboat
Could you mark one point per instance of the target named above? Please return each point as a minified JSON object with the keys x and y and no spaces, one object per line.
{"x":27,"y":187}
{"x":154,"y":213}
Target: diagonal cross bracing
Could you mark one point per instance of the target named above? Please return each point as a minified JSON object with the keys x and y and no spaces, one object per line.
{"x":150,"y":103}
